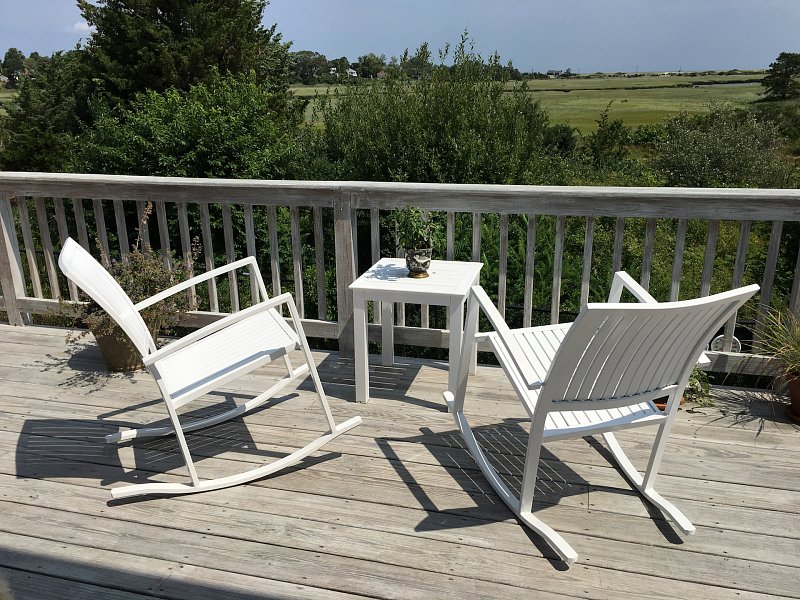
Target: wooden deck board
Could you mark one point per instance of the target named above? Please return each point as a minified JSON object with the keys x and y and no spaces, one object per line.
{"x":394,"y":509}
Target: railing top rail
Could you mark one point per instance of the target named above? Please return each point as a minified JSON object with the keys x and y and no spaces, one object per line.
{"x":701,"y":203}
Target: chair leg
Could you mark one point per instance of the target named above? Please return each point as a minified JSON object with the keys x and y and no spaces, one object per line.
{"x":645,"y":484}
{"x":552,"y":537}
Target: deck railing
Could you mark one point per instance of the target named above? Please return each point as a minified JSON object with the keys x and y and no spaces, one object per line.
{"x":306,"y":236}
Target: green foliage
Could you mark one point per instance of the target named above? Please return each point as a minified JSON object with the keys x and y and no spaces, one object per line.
{"x":415,"y":229}
{"x":782,"y":339}
{"x":12,"y":67}
{"x":36,"y":134}
{"x":783,"y":77}
{"x":725,"y":148}
{"x":455,"y":125}
{"x":231,"y":127}
{"x":608,"y":144}
{"x":698,"y":389}
{"x":143,"y":45}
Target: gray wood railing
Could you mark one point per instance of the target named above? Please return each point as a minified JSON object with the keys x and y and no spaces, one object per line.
{"x":35,"y":207}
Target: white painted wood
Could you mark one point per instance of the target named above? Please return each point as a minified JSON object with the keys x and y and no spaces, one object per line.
{"x":230,"y":253}
{"x":598,"y":375}
{"x":30,"y":248}
{"x":530,"y":256}
{"x":387,"y":282}
{"x":677,"y":260}
{"x":47,"y":247}
{"x":208,"y":255}
{"x":588,"y":240}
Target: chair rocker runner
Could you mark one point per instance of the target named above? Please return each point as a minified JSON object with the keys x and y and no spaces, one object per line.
{"x":205,"y":360}
{"x":596,"y":375}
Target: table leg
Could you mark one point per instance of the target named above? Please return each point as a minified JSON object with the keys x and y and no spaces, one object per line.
{"x":387,"y":333}
{"x":473,"y":362}
{"x":361,"y":348}
{"x":456,"y":335}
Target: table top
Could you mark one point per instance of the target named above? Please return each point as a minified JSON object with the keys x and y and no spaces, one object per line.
{"x":447,"y":279}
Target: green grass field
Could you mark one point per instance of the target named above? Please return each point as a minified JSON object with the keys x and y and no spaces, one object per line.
{"x":5,"y":98}
{"x":637,"y":101}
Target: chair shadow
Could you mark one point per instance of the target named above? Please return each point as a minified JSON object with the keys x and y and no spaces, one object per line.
{"x":505,"y":444}
{"x":393,"y":381}
{"x":76,"y":448}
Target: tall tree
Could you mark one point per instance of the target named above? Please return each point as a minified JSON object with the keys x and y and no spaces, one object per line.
{"x":13,"y":64}
{"x":783,"y":77}
{"x":142,"y":45}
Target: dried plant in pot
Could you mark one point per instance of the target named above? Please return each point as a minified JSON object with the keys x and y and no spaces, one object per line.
{"x":781,"y":339}
{"x":415,"y":233}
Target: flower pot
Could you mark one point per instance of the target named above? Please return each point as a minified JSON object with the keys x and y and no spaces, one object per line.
{"x":418,"y":261}
{"x":793,"y":410}
{"x":119,"y":352}
{"x":661,"y":403}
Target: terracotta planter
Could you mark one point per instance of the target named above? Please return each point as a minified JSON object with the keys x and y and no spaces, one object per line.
{"x":418,"y":261}
{"x":662,"y":406}
{"x":118,"y":350}
{"x":793,"y":410}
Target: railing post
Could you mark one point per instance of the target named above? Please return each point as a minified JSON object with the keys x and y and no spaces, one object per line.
{"x":345,"y":270}
{"x":10,"y":270}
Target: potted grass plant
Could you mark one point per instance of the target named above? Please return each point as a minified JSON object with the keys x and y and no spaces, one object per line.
{"x":415,"y":234}
{"x":781,"y":339}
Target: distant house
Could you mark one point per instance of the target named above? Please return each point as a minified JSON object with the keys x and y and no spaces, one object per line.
{"x":554,"y":73}
{"x":380,"y":74}
{"x":332,"y":71}
{"x":352,"y":73}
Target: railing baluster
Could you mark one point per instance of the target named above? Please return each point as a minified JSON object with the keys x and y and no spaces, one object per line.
{"x":530,"y":255}
{"x":558,"y":255}
{"x":230,"y":253}
{"x":47,"y":248}
{"x":647,"y":259}
{"x":163,"y":233}
{"x":186,"y":247}
{"x":319,"y":259}
{"x":345,"y":270}
{"x":738,"y":275}
{"x":102,"y":234}
{"x":711,"y":253}
{"x":451,"y":235}
{"x":208,"y":253}
{"x":122,"y":229}
{"x":12,"y":279}
{"x":400,"y":312}
{"x":275,"y":267}
{"x":30,"y":248}
{"x":250,"y":235}
{"x":80,"y":223}
{"x":375,"y":246}
{"x":503,"y":266}
{"x":677,"y":260}
{"x":794,"y":297}
{"x":619,"y":234}
{"x":142,"y":225}
{"x":297,"y":261}
{"x":63,"y":234}
{"x":476,"y":237}
{"x":765,"y":298}
{"x":588,"y":242}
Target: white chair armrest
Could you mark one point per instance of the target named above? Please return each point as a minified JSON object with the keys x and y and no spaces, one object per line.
{"x":624,"y":281}
{"x":185,"y":285}
{"x":506,"y":335}
{"x":285,"y":298}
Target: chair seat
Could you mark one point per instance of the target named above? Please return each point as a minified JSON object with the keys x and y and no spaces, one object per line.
{"x":226,"y":354}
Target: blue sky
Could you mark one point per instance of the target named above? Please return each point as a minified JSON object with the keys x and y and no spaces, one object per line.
{"x":584,"y":35}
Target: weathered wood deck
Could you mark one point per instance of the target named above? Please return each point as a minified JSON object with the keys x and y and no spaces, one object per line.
{"x":395,"y":509}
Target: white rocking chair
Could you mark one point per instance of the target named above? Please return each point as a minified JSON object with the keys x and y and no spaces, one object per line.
{"x":596,"y":375}
{"x":203,"y":361}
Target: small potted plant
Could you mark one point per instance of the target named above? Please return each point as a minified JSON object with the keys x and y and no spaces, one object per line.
{"x":415,"y":232}
{"x":782,"y":340}
{"x":697,"y":391}
{"x":142,"y":273}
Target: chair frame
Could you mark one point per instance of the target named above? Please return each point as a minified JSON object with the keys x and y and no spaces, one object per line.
{"x":152,"y":358}
{"x":527,"y":386}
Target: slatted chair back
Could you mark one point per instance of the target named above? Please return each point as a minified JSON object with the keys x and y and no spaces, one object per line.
{"x":88,"y":274}
{"x":623,"y":354}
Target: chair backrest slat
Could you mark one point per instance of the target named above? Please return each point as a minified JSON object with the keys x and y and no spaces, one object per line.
{"x":88,"y":274}
{"x":615,"y":351}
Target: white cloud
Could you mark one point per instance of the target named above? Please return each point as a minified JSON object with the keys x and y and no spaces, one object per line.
{"x":82,"y":26}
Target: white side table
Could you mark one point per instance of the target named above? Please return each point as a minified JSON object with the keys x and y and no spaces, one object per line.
{"x":387,"y":282}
